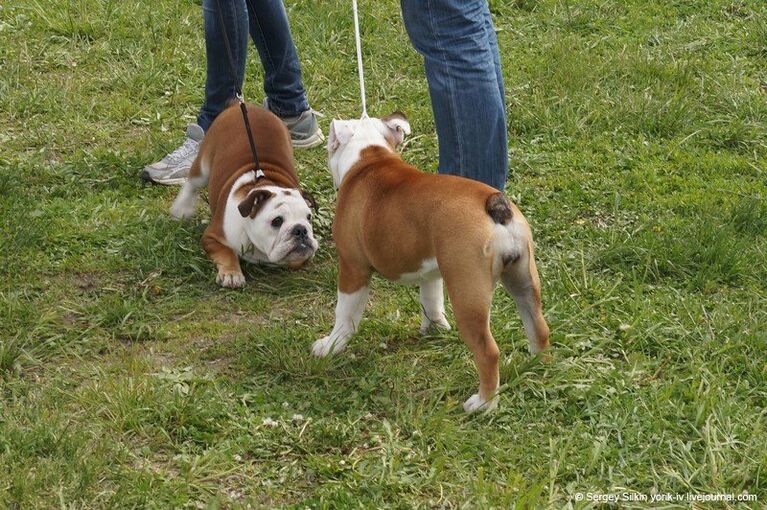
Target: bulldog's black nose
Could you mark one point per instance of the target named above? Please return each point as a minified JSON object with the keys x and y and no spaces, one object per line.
{"x":299,"y":231}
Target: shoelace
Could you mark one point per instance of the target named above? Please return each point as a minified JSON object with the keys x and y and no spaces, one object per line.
{"x":301,"y":115}
{"x":183,"y":151}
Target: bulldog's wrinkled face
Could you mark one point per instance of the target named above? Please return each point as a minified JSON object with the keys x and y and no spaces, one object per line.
{"x":279,"y":224}
{"x":347,"y":138}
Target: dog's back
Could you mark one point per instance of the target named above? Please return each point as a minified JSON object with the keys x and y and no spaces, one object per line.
{"x":225,"y":151}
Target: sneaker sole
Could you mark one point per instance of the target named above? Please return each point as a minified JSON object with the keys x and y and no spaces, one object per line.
{"x":307,"y":143}
{"x":177,"y":181}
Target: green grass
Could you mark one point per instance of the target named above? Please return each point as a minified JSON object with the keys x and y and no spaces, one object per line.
{"x":638,"y":153}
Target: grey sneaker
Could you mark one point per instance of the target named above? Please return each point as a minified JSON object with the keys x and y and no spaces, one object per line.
{"x":173,"y":168}
{"x":305,"y":133}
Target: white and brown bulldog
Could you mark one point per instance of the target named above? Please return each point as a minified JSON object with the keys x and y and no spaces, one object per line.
{"x":263,"y":217}
{"x":418,"y":228}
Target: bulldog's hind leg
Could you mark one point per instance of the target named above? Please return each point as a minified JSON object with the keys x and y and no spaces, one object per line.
{"x":186,"y":200}
{"x":229,"y":272}
{"x":471,"y":295}
{"x":353,"y":294}
{"x":520,"y":279}
{"x":433,"y":306}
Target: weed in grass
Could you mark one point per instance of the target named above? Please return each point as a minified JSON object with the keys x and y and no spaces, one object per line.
{"x":525,"y":5}
{"x":749,"y":216}
{"x":6,"y":184}
{"x":756,"y":36}
{"x":707,"y":251}
{"x":10,"y":352}
{"x":125,"y":319}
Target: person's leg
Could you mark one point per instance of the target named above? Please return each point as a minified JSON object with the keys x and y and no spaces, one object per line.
{"x":493,"y":40}
{"x":462,"y":63}
{"x":285,"y":93}
{"x":270,"y":31}
{"x":220,"y":85}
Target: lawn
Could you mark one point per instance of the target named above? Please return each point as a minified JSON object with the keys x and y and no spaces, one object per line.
{"x":129,"y":379}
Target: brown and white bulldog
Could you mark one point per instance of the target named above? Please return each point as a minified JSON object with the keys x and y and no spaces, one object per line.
{"x":263,"y":217}
{"x":418,"y":228}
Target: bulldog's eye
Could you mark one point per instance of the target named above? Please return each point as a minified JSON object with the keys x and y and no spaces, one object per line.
{"x":309,"y":217}
{"x":277,"y":222}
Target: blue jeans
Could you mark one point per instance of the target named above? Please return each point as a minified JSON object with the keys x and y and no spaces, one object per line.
{"x":267,"y":23}
{"x":463,"y":68}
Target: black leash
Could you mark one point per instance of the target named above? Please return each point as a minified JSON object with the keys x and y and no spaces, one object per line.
{"x":238,"y":91}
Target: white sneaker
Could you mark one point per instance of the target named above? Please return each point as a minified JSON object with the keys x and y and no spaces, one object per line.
{"x":173,"y":168}
{"x":305,"y":132}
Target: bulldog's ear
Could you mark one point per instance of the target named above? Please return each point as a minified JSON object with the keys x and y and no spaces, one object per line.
{"x":309,"y":199}
{"x":340,"y":134}
{"x":398,"y":126}
{"x":254,"y":201}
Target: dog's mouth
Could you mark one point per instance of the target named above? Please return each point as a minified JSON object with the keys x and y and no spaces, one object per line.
{"x":302,"y":246}
{"x":299,"y":254}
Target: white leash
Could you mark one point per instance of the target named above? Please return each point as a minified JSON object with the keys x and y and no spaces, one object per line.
{"x":359,"y":59}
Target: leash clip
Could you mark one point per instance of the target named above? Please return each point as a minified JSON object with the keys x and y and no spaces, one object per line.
{"x":260,"y":174}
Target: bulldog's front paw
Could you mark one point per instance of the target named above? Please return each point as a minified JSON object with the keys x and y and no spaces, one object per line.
{"x":441,"y":323}
{"x":326,"y":345}
{"x":231,"y":280}
{"x":477,"y":403}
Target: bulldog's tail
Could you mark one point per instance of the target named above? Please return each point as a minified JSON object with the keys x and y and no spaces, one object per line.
{"x":498,"y":208}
